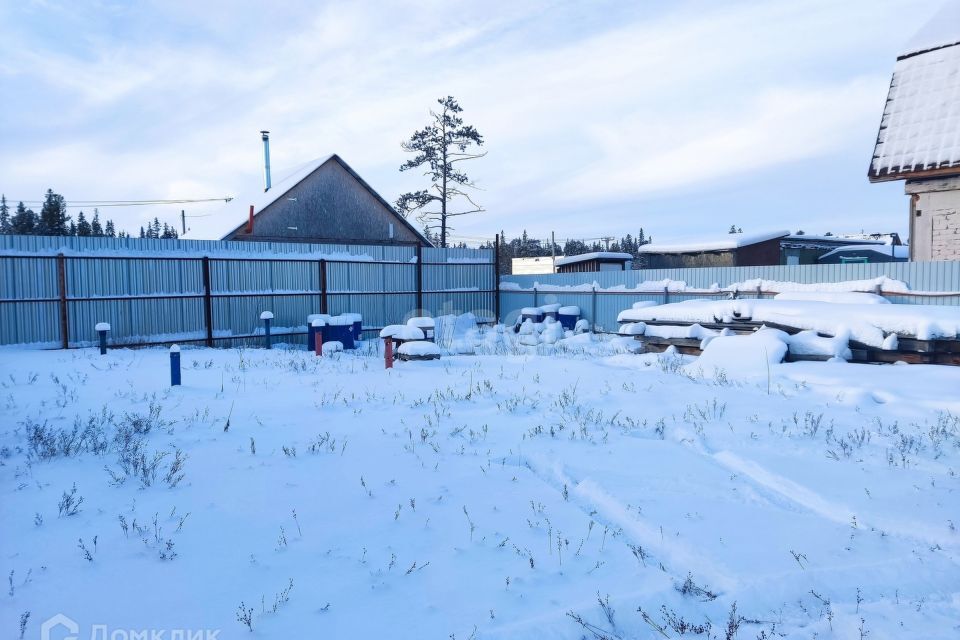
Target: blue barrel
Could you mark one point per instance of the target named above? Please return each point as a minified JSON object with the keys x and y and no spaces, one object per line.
{"x":340,"y":329}
{"x":568,"y":316}
{"x":534,"y":314}
{"x":550,"y":311}
{"x":357,"y":326}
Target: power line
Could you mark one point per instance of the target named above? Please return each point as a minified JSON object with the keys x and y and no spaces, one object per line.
{"x":77,"y":204}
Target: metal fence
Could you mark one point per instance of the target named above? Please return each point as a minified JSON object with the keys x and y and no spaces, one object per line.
{"x":53,"y":291}
{"x":602,"y":295}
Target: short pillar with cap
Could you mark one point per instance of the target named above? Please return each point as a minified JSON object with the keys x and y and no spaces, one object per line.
{"x":175,"y":366}
{"x":317,"y":326}
{"x":267,"y":317}
{"x":388,"y":352}
{"x":102,"y":329}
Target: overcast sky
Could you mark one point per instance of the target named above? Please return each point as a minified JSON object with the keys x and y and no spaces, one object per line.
{"x":681,"y":117}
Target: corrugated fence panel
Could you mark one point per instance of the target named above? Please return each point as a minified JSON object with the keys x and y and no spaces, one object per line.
{"x":603,"y":307}
{"x":152,"y":291}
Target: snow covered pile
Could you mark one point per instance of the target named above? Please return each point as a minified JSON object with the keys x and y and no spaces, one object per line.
{"x":884,"y":283}
{"x":870,"y":324}
{"x":742,"y":357}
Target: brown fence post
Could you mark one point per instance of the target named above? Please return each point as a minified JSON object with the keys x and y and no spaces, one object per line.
{"x":62,"y":286}
{"x":323,"y":286}
{"x":207,"y":301}
{"x":496,"y":278}
{"x":419,"y":280}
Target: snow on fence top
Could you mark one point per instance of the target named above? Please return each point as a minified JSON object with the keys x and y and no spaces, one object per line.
{"x":596,"y":255}
{"x":920,"y":128}
{"x":732,"y":241}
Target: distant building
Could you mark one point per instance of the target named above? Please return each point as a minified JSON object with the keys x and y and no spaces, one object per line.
{"x":730,"y":250}
{"x":866,"y":253}
{"x":596,"y":261}
{"x":810,"y":249}
{"x":919,"y":137}
{"x":323,"y":201}
{"x":532,"y":266}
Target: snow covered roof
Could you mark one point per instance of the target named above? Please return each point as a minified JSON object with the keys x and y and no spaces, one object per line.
{"x":900,"y":251}
{"x":596,"y":255}
{"x":236,"y":213}
{"x":731,"y":241}
{"x":920,"y":129}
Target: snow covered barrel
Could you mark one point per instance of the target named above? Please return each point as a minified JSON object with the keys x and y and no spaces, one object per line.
{"x":340,"y":329}
{"x":426,"y":325}
{"x":533,"y":314}
{"x":550,"y":310}
{"x":568,"y":316}
{"x":311,"y":330}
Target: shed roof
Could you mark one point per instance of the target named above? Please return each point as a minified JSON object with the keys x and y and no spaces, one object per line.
{"x":596,"y":255}
{"x":900,"y":251}
{"x":919,"y":133}
{"x":730,"y":242}
{"x":227,"y":223}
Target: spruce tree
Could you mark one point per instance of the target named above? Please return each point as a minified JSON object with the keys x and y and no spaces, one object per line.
{"x":53,"y":215}
{"x":24,"y":221}
{"x":95,"y":228}
{"x":83,"y":227}
{"x":109,"y":230}
{"x":5,"y":226}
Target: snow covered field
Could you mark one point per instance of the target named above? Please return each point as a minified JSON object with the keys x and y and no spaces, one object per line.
{"x":532,"y":492}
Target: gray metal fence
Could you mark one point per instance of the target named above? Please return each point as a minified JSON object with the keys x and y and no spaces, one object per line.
{"x":602,"y":295}
{"x":53,"y":291}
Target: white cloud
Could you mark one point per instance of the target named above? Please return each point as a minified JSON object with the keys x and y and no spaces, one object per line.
{"x":582,"y":107}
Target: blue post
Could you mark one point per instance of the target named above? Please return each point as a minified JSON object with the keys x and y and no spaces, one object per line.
{"x":102,"y":329}
{"x":311,"y":335}
{"x":174,"y":366}
{"x":266,"y":316}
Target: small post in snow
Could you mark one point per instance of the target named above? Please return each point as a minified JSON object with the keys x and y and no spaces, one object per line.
{"x":759,"y":291}
{"x":267,"y":317}
{"x":175,"y":366}
{"x":388,"y":352}
{"x":102,"y":329}
{"x":318,"y":336}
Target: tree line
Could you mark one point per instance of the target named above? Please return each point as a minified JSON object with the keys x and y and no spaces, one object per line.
{"x":53,"y":220}
{"x":527,"y":247}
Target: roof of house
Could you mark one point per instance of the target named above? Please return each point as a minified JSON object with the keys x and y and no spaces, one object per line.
{"x":727,"y":243}
{"x":596,"y":255}
{"x":919,"y":133}
{"x":900,"y":251}
{"x":263,"y":199}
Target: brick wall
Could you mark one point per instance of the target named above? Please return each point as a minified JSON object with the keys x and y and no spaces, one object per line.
{"x":946,"y":235}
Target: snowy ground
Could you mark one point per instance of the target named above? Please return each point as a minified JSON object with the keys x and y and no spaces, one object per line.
{"x":488,"y":496}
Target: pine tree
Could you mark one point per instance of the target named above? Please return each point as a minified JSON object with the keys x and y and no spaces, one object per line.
{"x":440,"y":146}
{"x":5,"y":226}
{"x":24,"y":221}
{"x":95,"y":228}
{"x":142,"y":234}
{"x":83,"y":227}
{"x":71,"y":230}
{"x":109,"y":230}
{"x":53,"y":215}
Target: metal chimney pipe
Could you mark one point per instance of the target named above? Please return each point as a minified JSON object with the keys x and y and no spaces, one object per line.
{"x":266,"y":159}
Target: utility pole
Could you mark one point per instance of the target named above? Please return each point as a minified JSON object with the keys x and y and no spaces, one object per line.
{"x":183,"y":221}
{"x":606,"y":241}
{"x":553,"y":251}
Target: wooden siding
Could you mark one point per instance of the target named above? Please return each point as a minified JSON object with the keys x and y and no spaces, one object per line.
{"x":329,"y":205}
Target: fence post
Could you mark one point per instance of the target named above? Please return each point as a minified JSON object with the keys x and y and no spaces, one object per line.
{"x":323,"y":286}
{"x":419,"y":280}
{"x":496,"y":278}
{"x":593,"y":306}
{"x":666,"y":295}
{"x":207,"y":301}
{"x":535,"y":299}
{"x":62,"y":286}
